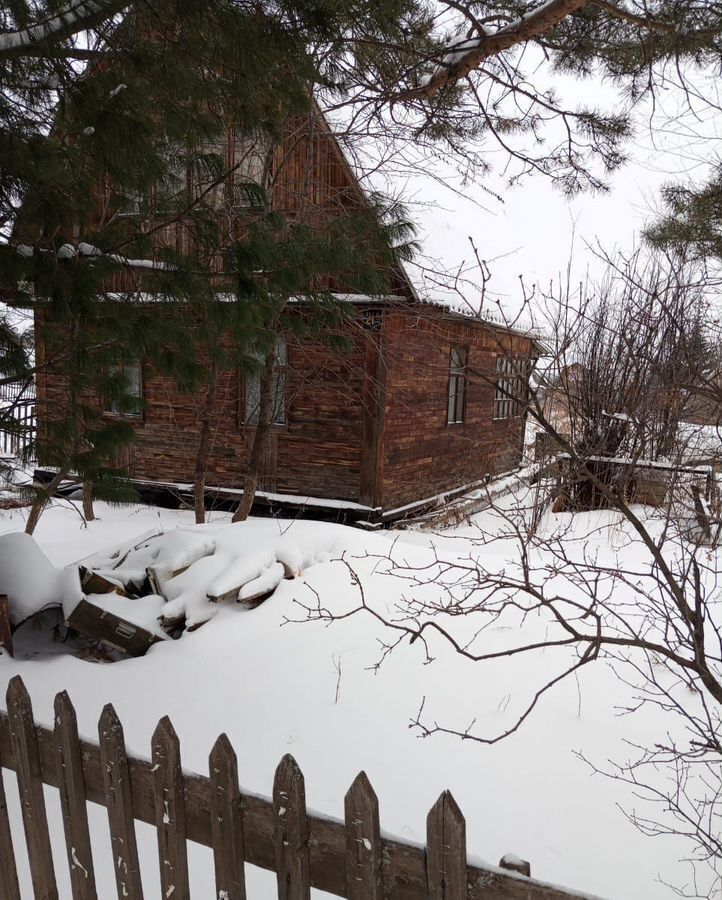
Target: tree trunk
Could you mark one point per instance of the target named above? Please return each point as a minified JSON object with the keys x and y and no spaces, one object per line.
{"x":41,"y":501}
{"x":250,"y":483}
{"x":88,"y":511}
{"x":260,"y":440}
{"x":204,"y":443}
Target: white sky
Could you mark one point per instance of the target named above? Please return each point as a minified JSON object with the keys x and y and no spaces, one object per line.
{"x":536,"y":230}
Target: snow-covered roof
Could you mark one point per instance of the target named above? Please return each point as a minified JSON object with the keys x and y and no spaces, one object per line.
{"x":486,"y":317}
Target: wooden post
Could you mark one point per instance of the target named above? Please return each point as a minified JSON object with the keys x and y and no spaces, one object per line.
{"x":364,"y":879}
{"x":227,"y":821}
{"x":30,"y":787}
{"x":71,"y":783}
{"x":119,"y":800}
{"x":446,"y":850}
{"x":291,"y":832}
{"x":170,"y":816}
{"x":6,"y":635}
{"x":9,"y":888}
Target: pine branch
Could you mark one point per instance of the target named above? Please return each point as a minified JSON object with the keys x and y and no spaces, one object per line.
{"x":77,"y":16}
{"x":631,"y":18}
{"x":470,"y":54}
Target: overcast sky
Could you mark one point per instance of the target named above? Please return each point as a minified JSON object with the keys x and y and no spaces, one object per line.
{"x":536,"y":230}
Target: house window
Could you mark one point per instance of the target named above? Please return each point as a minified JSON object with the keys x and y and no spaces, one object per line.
{"x":167,"y":192}
{"x":278,"y":388}
{"x":245,"y":195}
{"x":457,"y":386}
{"x":510,"y":387}
{"x":172,"y":188}
{"x":209,"y":169}
{"x":125,"y":396}
{"x":228,"y":171}
{"x":249,"y":155}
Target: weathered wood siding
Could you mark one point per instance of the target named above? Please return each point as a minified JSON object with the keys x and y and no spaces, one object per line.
{"x":317,"y":452}
{"x":423,"y":455}
{"x":365,"y":425}
{"x":307,"y":179}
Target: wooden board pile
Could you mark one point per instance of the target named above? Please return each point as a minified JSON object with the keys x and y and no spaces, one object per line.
{"x":150,"y":589}
{"x":152,"y":568}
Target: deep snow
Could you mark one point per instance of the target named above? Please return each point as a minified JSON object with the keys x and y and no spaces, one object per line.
{"x":311,"y":690}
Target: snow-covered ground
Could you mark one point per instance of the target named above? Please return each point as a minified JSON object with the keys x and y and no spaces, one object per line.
{"x":313,"y":690}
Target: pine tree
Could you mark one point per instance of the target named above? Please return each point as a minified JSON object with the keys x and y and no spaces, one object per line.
{"x":692,"y":219}
{"x":112,"y":116}
{"x":112,"y":157}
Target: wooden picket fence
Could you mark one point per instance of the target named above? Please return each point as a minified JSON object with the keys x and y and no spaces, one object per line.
{"x":16,"y":440}
{"x":348,"y":859}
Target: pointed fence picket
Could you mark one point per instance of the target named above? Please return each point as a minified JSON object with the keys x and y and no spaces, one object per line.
{"x":170,"y":816}
{"x":119,"y":803}
{"x":226,"y":821}
{"x":72,"y":800}
{"x":30,"y":788}
{"x":364,"y":873}
{"x":347,"y":859}
{"x":8,"y":873}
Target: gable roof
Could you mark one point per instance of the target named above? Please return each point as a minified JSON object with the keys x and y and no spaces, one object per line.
{"x":439,"y":276}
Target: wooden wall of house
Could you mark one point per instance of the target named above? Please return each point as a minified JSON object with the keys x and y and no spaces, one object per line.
{"x":422,"y":454}
{"x":368,"y":425}
{"x":313,"y":182}
{"x":317,"y":453}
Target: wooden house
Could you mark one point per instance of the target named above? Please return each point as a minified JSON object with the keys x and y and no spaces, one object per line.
{"x":425,"y":402}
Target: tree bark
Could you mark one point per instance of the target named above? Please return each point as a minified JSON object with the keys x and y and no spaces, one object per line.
{"x":204,"y":443}
{"x":36,"y":510}
{"x":260,"y":440}
{"x":43,"y":37}
{"x":88,"y":511}
{"x":521,"y":30}
{"x":250,"y":483}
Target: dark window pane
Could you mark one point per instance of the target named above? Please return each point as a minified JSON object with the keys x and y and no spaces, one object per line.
{"x":458,"y":358}
{"x":129,"y":403}
{"x":278,"y":389}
